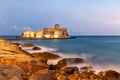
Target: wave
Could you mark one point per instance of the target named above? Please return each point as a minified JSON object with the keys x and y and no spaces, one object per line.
{"x":88,"y":58}
{"x":43,"y":49}
{"x":112,"y":41}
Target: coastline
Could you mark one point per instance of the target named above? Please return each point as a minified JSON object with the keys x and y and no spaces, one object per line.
{"x":22,"y":38}
{"x":60,"y":70}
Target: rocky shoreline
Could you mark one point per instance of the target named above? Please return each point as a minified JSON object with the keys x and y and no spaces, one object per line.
{"x":17,"y":64}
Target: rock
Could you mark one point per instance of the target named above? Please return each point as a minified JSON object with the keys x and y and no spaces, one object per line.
{"x":70,"y":70}
{"x":112,"y":75}
{"x":85,"y":75}
{"x":43,"y":60}
{"x":46,"y":55}
{"x":68,"y":73}
{"x":76,"y":60}
{"x":52,"y":67}
{"x":95,"y":77}
{"x":16,"y":44}
{"x":62,"y":77}
{"x":86,"y":68}
{"x":73,"y":76}
{"x":101,"y":75}
{"x":33,"y":66}
{"x":64,"y":62}
{"x":2,"y":77}
{"x":10,"y":72}
{"x":27,"y":45}
{"x":25,"y":76}
{"x":15,"y":78}
{"x":36,"y":48}
{"x":43,"y":75}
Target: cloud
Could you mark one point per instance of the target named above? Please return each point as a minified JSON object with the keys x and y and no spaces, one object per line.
{"x":15,"y":27}
{"x":21,"y":28}
{"x":26,"y":28}
{"x":4,"y":22}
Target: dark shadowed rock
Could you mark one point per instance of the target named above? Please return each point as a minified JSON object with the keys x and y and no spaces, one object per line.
{"x":70,"y":70}
{"x":43,"y":60}
{"x":43,"y":75}
{"x":64,"y":62}
{"x":112,"y":75}
{"x":36,"y":48}
{"x":73,"y":76}
{"x":17,"y":44}
{"x":27,"y":45}
{"x":46,"y":55}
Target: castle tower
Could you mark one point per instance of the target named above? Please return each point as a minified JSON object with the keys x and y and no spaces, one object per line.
{"x":57,"y":26}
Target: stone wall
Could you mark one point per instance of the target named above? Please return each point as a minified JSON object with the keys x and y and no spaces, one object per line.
{"x":55,"y":32}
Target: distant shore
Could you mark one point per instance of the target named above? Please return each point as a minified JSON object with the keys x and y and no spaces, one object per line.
{"x":22,"y":38}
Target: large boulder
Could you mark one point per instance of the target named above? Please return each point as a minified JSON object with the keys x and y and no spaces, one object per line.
{"x":27,"y":45}
{"x":65,"y":62}
{"x":10,"y":72}
{"x":112,"y":75}
{"x":43,"y":75}
{"x":46,"y":55}
{"x":36,"y":48}
{"x":68,"y":73}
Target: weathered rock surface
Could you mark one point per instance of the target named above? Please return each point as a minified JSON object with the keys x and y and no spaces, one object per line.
{"x":86,"y":68}
{"x":12,"y":51}
{"x":70,"y":70}
{"x":10,"y":72}
{"x":32,"y":66}
{"x":112,"y":75}
{"x":46,"y":55}
{"x":43,"y":75}
{"x":64,"y":62}
{"x":27,"y":45}
{"x":36,"y":48}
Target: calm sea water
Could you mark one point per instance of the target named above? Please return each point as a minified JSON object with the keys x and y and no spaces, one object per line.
{"x":104,"y":51}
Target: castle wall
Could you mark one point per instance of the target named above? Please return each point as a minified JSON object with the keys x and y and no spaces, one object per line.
{"x":55,"y":32}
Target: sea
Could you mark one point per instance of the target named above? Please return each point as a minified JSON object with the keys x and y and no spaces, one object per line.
{"x":100,"y":52}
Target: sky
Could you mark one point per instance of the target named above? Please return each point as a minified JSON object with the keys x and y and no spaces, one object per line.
{"x":80,"y":17}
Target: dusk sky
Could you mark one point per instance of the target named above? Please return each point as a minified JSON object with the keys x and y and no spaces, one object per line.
{"x":81,"y":17}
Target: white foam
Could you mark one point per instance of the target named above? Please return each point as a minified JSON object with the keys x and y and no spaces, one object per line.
{"x":97,"y":67}
{"x":43,"y":49}
{"x":87,"y":57}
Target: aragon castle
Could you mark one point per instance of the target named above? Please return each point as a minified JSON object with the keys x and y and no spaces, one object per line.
{"x":55,"y":32}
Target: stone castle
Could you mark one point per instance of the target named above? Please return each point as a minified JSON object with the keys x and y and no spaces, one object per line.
{"x":55,"y":32}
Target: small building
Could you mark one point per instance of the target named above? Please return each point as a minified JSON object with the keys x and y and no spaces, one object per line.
{"x":55,"y":32}
{"x":28,"y":34}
